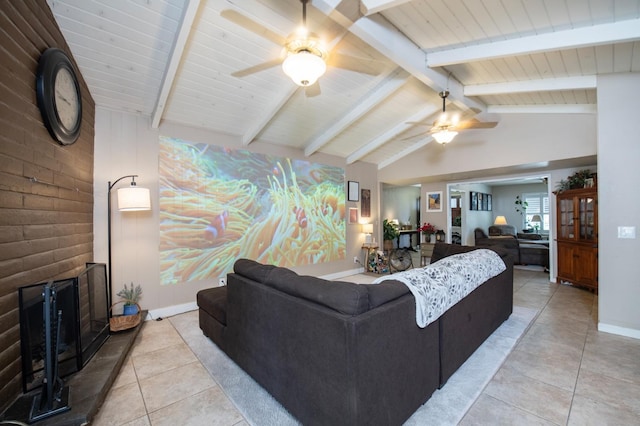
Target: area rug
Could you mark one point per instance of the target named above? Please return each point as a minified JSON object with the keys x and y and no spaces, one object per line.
{"x":446,"y":406}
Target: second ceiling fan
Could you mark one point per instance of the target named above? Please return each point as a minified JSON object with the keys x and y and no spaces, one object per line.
{"x":446,"y":127}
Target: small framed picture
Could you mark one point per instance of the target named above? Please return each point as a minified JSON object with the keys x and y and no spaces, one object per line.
{"x":353,"y":191}
{"x":489,"y":197}
{"x":365,"y":203}
{"x":434,"y":201}
{"x":353,"y":215}
{"x":474,"y":201}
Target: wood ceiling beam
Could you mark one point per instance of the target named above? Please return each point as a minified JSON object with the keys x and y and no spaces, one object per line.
{"x":188,"y":17}
{"x":401,"y":154}
{"x":389,"y":41}
{"x":376,"y":143}
{"x":615,"y":32}
{"x":369,"y":7}
{"x":390,"y":83}
{"x":543,"y":109}
{"x":542,"y":85}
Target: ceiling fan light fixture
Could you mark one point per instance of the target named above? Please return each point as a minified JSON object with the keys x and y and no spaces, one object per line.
{"x":444,"y":136}
{"x":304,"y":67}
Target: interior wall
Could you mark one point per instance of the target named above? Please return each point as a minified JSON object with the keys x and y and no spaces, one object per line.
{"x":472,"y":219}
{"x":504,"y":197}
{"x":438,"y":219}
{"x":46,"y":226}
{"x":399,"y":202}
{"x":517,"y":139}
{"x":125,"y":144}
{"x":618,"y":177}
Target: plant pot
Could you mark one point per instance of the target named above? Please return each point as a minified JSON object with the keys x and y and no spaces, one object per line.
{"x":387,"y":245}
{"x":130,"y":310}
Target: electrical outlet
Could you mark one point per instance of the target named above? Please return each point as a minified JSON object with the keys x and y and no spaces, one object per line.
{"x":355,"y":259}
{"x":222,"y":282}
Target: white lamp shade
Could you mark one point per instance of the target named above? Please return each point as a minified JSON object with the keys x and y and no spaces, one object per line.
{"x":536,"y":218}
{"x":500,"y":220}
{"x":444,"y":136}
{"x":367,"y":228}
{"x":304,"y":67}
{"x":134,"y":199}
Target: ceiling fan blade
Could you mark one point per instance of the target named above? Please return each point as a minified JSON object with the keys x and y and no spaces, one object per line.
{"x":420,"y":123}
{"x":313,"y":90}
{"x":257,"y":68}
{"x":248,"y":24}
{"x":476,"y":124}
{"x":351,"y":63}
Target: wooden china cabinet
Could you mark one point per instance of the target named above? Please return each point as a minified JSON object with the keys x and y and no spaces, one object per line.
{"x":577,"y":215}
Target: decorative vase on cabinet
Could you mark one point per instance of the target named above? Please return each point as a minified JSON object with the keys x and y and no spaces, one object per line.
{"x":577,"y":215}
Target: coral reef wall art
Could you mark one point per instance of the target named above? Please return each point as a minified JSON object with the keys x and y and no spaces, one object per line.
{"x":219,"y":204}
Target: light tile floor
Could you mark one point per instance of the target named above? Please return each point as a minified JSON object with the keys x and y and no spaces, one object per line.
{"x":562,"y":372}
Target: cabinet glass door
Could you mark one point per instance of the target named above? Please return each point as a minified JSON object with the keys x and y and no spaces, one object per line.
{"x":566,"y":218}
{"x":587,"y":218}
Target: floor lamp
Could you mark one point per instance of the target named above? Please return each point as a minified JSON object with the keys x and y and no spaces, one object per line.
{"x":129,"y":199}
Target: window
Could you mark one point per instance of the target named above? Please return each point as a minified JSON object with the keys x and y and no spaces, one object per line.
{"x":537,"y":204}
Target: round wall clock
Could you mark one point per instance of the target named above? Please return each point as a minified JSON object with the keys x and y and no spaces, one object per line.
{"x":58,"y":94}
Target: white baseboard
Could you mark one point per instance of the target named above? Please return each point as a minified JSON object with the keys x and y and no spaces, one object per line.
{"x":170,"y":311}
{"x":621,"y":331}
{"x":342,"y":274}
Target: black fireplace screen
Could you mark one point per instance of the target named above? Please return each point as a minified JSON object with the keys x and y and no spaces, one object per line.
{"x":84,"y":323}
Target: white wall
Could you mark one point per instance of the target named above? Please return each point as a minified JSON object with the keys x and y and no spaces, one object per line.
{"x":125,"y":144}
{"x":518,"y":139}
{"x":472,"y":219}
{"x":618,"y":203}
{"x":399,"y":202}
{"x":504,"y":198}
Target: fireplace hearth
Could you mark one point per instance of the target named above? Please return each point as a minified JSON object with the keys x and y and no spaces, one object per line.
{"x":64,"y":333}
{"x":82,"y":302}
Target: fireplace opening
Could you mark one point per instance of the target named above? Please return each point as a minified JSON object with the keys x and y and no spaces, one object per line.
{"x":83,"y":328}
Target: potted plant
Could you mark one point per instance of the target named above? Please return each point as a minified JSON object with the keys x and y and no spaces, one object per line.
{"x":130,"y":296}
{"x":521,"y":205}
{"x":428,"y":230}
{"x":389,"y":233}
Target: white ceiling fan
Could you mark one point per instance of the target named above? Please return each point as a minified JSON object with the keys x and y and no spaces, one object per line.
{"x":446,"y":127}
{"x":305,"y":56}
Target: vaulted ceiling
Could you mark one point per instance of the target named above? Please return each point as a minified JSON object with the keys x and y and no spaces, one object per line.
{"x":201,"y":63}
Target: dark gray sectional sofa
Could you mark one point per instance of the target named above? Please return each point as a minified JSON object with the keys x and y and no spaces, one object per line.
{"x":341,"y":353}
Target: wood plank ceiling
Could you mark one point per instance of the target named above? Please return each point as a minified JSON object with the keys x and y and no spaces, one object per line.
{"x":174,"y":61}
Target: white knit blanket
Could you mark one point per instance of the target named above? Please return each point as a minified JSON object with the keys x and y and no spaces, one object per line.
{"x":442,"y":284}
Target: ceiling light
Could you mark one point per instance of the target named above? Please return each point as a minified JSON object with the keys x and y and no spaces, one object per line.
{"x":304,"y":67}
{"x":444,"y":136}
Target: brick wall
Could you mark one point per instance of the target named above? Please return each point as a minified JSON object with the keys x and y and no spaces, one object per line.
{"x":46,"y":231}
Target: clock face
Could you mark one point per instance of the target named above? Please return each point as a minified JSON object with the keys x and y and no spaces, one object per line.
{"x":66,"y":99}
{"x":58,"y":95}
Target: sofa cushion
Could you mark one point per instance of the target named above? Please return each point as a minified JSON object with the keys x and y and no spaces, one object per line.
{"x":214,"y":302}
{"x":346,"y":298}
{"x":530,"y":236}
{"x":379,"y":294}
{"x":502,"y":230}
{"x":442,"y":250}
{"x":252,"y":269}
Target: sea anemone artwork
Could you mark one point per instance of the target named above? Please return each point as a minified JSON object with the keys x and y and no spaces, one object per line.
{"x":218,"y":205}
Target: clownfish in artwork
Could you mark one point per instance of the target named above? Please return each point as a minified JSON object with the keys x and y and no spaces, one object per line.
{"x":216,"y":227}
{"x":301,"y":217}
